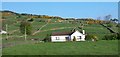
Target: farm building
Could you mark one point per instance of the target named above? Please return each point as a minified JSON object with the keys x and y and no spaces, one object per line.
{"x":68,"y":36}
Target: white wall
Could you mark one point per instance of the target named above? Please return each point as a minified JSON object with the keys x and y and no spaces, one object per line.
{"x":61,"y":38}
{"x":3,"y":32}
{"x":76,"y":34}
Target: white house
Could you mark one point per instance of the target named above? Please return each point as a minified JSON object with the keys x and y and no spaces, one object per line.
{"x":3,"y":32}
{"x":68,"y":36}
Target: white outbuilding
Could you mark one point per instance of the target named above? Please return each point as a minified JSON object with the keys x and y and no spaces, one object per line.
{"x":68,"y":36}
{"x":3,"y":32}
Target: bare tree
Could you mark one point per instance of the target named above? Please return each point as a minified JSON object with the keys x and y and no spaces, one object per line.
{"x":98,"y":18}
{"x":108,"y":17}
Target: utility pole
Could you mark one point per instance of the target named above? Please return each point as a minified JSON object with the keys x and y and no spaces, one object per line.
{"x":25,"y":33}
{"x":6,"y":31}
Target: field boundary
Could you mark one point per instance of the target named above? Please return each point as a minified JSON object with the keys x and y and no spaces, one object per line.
{"x":112,"y":31}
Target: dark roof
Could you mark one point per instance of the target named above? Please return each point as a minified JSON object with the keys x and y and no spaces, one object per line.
{"x":61,"y":33}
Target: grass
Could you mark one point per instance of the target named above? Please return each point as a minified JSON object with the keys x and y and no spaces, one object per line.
{"x":97,"y":30}
{"x":52,"y":27}
{"x":57,"y":25}
{"x":113,"y":27}
{"x":43,"y":34}
{"x":37,"y":25}
{"x":66,"y":48}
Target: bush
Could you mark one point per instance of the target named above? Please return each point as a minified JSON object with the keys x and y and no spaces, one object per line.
{"x":47,"y":38}
{"x":118,"y":36}
{"x":109,"y":25}
{"x":110,"y":37}
{"x":118,"y":25}
{"x":24,"y":25}
{"x":88,"y":37}
{"x":31,"y":20}
{"x":95,"y":38}
{"x":91,"y":37}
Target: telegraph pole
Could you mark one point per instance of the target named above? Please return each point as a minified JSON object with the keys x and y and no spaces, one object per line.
{"x":6,"y":31}
{"x":25,"y":33}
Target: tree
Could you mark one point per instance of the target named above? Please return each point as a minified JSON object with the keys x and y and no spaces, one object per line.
{"x":98,"y":18}
{"x":114,"y":20}
{"x":24,"y":25}
{"x":108,"y":17}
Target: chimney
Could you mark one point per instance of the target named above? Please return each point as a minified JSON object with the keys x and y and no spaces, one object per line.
{"x":83,"y":31}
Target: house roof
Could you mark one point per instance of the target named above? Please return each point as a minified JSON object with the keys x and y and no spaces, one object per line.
{"x":61,"y":33}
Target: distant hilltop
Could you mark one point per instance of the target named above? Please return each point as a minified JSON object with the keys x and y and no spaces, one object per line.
{"x":7,"y":13}
{"x":34,"y":16}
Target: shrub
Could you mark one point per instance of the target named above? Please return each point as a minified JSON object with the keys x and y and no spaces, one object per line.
{"x":118,"y":36}
{"x":47,"y":38}
{"x":109,"y":25}
{"x":95,"y":38}
{"x":118,"y":25}
{"x":110,"y":37}
{"x":91,"y":37}
{"x":88,"y":37}
{"x":31,"y":20}
{"x":24,"y":25}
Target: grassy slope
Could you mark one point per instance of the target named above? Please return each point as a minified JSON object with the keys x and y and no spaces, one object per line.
{"x":67,"y":48}
{"x":114,"y":28}
{"x":51,"y":27}
{"x":102,"y":47}
{"x":97,"y":30}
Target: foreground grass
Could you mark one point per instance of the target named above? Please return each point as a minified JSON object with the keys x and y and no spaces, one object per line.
{"x":66,"y":48}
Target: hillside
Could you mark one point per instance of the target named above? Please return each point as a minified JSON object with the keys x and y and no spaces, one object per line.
{"x":43,"y":26}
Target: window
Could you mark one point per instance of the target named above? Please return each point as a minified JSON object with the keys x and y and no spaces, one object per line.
{"x":79,"y":37}
{"x":57,"y":38}
{"x":67,"y":38}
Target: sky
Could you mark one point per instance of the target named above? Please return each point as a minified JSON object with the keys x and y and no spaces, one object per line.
{"x":65,"y":9}
{"x":60,"y":0}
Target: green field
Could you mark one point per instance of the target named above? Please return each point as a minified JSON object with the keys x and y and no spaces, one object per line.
{"x":21,"y":47}
{"x":13,"y":27}
{"x":66,"y":48}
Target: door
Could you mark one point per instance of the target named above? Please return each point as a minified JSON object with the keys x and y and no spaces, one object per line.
{"x":74,"y":38}
{"x":67,"y":38}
